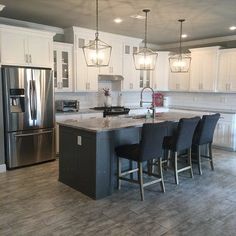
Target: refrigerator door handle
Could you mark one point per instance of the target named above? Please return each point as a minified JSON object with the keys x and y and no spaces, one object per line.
{"x":34,"y":100}
{"x":31,"y":99}
{"x":33,"y":134}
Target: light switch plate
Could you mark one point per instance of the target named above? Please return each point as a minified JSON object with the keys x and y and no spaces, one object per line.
{"x":79,"y":140}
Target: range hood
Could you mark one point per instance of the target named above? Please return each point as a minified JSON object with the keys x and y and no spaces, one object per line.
{"x":110,"y":77}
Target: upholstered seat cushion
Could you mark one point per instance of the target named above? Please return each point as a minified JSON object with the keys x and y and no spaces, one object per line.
{"x":129,"y":151}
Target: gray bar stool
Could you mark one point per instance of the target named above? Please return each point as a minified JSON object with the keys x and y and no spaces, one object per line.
{"x":203,"y":135}
{"x":149,"y":148}
{"x":181,"y":141}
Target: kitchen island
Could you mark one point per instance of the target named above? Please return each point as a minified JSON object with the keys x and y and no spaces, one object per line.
{"x":87,"y":160}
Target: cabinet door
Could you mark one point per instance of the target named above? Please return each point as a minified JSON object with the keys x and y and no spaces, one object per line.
{"x":161,"y":72}
{"x":179,"y":81}
{"x":92,"y":79}
{"x":80,"y":66}
{"x":40,"y":51}
{"x":232,"y":72}
{"x":13,"y":48}
{"x":130,"y":74}
{"x":196,"y":73}
{"x":204,"y":67}
{"x":223,"y":73}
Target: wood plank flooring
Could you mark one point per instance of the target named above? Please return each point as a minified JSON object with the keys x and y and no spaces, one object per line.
{"x":33,"y":202}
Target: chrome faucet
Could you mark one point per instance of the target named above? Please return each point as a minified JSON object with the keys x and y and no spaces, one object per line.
{"x":151,"y":102}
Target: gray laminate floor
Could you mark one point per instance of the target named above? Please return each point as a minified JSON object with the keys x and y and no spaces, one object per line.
{"x":33,"y":202}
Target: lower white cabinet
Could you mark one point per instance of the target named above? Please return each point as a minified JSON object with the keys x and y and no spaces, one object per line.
{"x":225,"y":132}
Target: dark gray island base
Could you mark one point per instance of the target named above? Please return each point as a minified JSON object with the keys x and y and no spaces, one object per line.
{"x":90,"y":167}
{"x":87,"y":160}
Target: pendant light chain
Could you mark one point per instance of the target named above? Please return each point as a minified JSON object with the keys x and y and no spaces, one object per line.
{"x":145,"y":38}
{"x":96,"y":34}
{"x":180,"y":37}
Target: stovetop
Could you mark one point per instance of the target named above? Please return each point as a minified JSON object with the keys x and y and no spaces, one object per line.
{"x":113,"y":110}
{"x":118,"y":108}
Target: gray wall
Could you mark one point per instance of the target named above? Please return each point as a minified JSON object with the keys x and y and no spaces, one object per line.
{"x":2,"y":152}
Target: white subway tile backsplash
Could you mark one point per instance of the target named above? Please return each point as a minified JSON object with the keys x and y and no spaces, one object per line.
{"x":195,"y":100}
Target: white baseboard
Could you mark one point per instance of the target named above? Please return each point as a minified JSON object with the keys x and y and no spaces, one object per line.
{"x":2,"y":168}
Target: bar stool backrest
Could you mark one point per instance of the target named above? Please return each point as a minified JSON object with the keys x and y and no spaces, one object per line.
{"x":205,"y":129}
{"x":152,"y":140}
{"x":184,"y":135}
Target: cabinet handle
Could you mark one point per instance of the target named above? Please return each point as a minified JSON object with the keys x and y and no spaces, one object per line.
{"x":26,"y":58}
{"x":30,"y":58}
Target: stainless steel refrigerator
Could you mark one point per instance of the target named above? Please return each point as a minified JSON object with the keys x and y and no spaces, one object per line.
{"x":28,"y":115}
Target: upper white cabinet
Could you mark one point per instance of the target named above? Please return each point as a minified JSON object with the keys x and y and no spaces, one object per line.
{"x":121,"y":62}
{"x":63,"y":74}
{"x":179,"y":81}
{"x":161,"y":72}
{"x":86,"y":77}
{"x":26,"y":47}
{"x":115,"y":65}
{"x":204,"y":67}
{"x":227,"y":71}
{"x":131,"y":75}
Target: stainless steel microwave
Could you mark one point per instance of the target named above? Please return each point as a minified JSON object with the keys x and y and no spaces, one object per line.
{"x":67,"y":105}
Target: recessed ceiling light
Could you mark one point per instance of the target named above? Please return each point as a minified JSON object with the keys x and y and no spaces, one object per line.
{"x":184,"y":36}
{"x":118,"y":20}
{"x":232,"y":27}
{"x":139,"y":17}
{"x":1,"y":7}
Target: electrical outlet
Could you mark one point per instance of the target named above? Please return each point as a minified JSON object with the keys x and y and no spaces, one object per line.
{"x":79,"y":140}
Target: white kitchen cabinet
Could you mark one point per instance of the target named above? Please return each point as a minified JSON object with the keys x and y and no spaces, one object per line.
{"x":115,"y":65}
{"x":63,"y":71}
{"x":227,"y":71}
{"x":26,"y":47}
{"x":161,"y":73}
{"x":179,"y":81}
{"x":86,"y":77}
{"x":225,"y":132}
{"x":131,"y":75}
{"x":204,"y":67}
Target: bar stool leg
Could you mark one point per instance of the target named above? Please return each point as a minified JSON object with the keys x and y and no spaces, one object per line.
{"x":199,"y":160}
{"x":210,"y":155}
{"x":190,"y":162}
{"x":118,"y":173}
{"x":176,"y":168}
{"x":161,"y":174}
{"x":140,"y":179}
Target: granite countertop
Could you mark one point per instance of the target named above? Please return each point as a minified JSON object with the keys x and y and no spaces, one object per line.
{"x":226,"y":111}
{"x":81,"y":111}
{"x":114,"y":123}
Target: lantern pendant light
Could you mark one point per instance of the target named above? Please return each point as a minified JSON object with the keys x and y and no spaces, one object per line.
{"x":180,"y":62}
{"x":145,"y":58}
{"x":97,"y":53}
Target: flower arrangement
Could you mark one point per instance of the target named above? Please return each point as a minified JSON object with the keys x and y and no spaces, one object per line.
{"x":106,"y":92}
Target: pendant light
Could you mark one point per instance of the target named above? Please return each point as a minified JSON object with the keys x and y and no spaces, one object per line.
{"x":97,"y":53}
{"x":180,"y":62}
{"x":145,"y":58}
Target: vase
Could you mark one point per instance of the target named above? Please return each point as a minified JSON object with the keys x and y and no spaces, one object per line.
{"x":107,"y":101}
